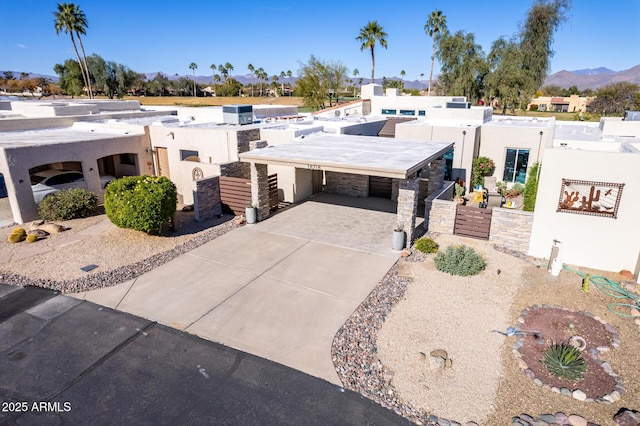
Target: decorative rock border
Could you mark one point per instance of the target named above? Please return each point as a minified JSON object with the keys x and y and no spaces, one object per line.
{"x":123,"y":273}
{"x":594,"y":352}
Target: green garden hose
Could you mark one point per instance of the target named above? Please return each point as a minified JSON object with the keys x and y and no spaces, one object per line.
{"x":610,"y":288}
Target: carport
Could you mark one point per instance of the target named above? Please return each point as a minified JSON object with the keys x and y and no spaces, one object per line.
{"x":348,"y":162}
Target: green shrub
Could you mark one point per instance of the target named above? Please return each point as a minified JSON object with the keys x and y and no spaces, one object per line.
{"x":533,"y":107}
{"x":426,"y":245}
{"x":142,"y":203}
{"x":531,"y":189}
{"x":68,"y":204}
{"x":482,"y":166}
{"x":459,"y":260}
{"x":564,"y":361}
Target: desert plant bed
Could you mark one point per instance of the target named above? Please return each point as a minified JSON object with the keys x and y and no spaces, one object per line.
{"x":545,"y":326}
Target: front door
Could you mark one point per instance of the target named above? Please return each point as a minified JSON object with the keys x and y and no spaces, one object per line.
{"x":163,"y":162}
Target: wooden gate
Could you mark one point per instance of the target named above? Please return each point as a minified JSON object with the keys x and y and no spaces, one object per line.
{"x":273,"y":191}
{"x":380,"y":187}
{"x":235,"y":193}
{"x":472,"y":222}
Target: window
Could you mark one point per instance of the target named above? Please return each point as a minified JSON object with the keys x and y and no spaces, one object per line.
{"x":128,"y":159}
{"x":421,"y":113}
{"x":389,"y":111}
{"x":188,"y":155}
{"x":515,"y":165}
{"x":407,"y":112}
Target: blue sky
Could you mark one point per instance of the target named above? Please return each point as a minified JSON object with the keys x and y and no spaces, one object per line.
{"x":150,"y":36}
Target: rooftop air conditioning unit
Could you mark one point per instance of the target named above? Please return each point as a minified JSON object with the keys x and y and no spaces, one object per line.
{"x":631,"y":116}
{"x":237,"y":114}
{"x":460,"y":105}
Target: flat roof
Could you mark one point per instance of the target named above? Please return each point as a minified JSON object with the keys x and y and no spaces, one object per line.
{"x":57,"y":135}
{"x":363,"y":155}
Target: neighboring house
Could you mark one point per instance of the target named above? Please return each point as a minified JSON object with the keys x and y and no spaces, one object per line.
{"x":573,"y":103}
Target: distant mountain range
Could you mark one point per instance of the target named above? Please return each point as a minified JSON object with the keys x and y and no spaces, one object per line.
{"x":593,"y":78}
{"x":590,"y":78}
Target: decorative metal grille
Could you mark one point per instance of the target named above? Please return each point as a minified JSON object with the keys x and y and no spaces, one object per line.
{"x":590,"y":198}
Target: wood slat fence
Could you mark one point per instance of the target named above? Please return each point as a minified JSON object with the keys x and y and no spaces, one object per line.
{"x":472,"y":222}
{"x":235,"y":193}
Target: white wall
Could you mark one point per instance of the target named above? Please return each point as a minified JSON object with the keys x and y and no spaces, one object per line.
{"x":497,"y":138}
{"x":465,"y":145}
{"x":589,"y":241}
{"x":214,"y":146}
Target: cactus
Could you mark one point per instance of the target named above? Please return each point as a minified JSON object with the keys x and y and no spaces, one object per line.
{"x":15,"y":238}
{"x":31,"y":238}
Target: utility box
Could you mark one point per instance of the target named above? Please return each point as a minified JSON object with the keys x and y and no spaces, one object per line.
{"x":237,"y":114}
{"x":461,"y":105}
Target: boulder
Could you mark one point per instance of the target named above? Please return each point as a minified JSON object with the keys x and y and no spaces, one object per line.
{"x":52,"y":228}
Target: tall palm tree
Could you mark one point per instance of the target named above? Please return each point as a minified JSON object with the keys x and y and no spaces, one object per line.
{"x":229,"y":68}
{"x":252,"y":70}
{"x":369,"y":35}
{"x":71,"y":20}
{"x":435,"y":26}
{"x":193,"y":67}
{"x":402,"y":74}
{"x":213,"y":69}
{"x":289,"y":74}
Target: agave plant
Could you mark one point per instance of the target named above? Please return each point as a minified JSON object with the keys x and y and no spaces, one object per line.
{"x":564,"y":361}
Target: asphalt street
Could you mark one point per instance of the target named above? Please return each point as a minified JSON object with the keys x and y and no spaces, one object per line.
{"x":69,"y":361}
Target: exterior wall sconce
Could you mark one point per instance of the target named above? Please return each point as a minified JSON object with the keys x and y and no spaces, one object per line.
{"x":150,"y":150}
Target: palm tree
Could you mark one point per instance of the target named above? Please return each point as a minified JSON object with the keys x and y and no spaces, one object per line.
{"x":402,"y":74}
{"x":228,"y":67}
{"x":213,"y":69}
{"x":435,"y":26}
{"x":369,"y":35}
{"x":71,"y":20}
{"x":252,"y":70}
{"x":289,"y":74}
{"x":193,"y":67}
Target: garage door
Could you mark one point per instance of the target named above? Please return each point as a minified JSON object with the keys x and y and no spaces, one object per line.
{"x":380,"y":187}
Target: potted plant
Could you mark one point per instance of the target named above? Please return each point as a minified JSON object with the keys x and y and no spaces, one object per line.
{"x":250,"y":213}
{"x":397,"y":242}
{"x":459,"y":192}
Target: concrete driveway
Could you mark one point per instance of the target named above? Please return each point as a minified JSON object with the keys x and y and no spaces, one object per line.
{"x":281,"y":297}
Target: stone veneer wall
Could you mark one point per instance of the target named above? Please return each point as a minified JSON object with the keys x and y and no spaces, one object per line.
{"x":237,"y":169}
{"x":441,"y":216}
{"x":511,"y":229}
{"x":259,"y":183}
{"x":436,"y":175}
{"x":348,"y":184}
{"x":206,"y":198}
{"x":408,"y":207}
{"x":395,"y":186}
{"x":245,"y":137}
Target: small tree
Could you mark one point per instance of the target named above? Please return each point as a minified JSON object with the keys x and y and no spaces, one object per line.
{"x":143,"y":203}
{"x":531,"y":188}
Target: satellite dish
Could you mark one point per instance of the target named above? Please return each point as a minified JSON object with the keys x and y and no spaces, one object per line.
{"x":337,"y":113}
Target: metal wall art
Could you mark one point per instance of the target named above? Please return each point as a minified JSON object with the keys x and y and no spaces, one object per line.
{"x":590,"y":198}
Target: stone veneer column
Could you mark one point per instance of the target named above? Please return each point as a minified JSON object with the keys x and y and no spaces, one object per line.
{"x":408,"y":206}
{"x":436,"y":175}
{"x":259,"y":184}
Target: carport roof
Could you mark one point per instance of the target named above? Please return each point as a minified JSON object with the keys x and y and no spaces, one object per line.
{"x":363,"y":155}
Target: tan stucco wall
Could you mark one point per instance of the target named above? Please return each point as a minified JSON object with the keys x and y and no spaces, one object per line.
{"x":214,"y":146}
{"x":16,"y":161}
{"x":590,"y":241}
